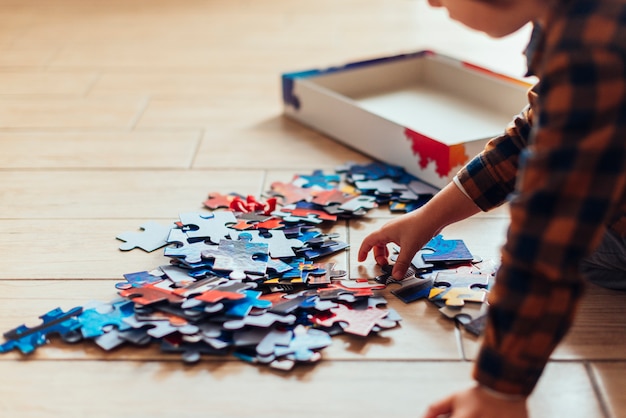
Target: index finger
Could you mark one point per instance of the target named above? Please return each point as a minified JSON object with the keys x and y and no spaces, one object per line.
{"x":364,"y":249}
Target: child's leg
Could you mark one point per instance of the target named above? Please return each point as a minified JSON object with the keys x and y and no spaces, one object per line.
{"x":606,"y":266}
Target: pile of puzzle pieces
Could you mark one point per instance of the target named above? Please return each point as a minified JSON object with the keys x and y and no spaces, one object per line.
{"x":246,"y":276}
{"x":446,"y":273}
{"x":243,"y":277}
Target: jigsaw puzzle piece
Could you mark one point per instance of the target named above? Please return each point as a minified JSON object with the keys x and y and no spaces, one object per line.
{"x":460,"y":278}
{"x":189,"y":252}
{"x":304,"y":342}
{"x":287,"y":306}
{"x":332,"y":197}
{"x":446,"y":251}
{"x":211,"y":226}
{"x":422,"y":189}
{"x":138,"y":279}
{"x":372,"y":171}
{"x":317,"y":178}
{"x":358,"y":322}
{"x":153,"y":237}
{"x":241,"y":307}
{"x":92,"y":321}
{"x":466,"y":313}
{"x":323,"y":274}
{"x":384,"y":186}
{"x":413,"y":289}
{"x":53,"y":322}
{"x":290,"y":193}
{"x":314,"y":252}
{"x":239,"y":257}
{"x":160,"y":328}
{"x":198,"y":287}
{"x":251,"y":205}
{"x":191,"y":352}
{"x":264,"y":320}
{"x":151,"y":293}
{"x":275,"y":337}
{"x":304,"y":212}
{"x":217,"y":200}
{"x":279,"y":245}
{"x":218,"y":295}
{"x":177,"y":275}
{"x":457,"y":296}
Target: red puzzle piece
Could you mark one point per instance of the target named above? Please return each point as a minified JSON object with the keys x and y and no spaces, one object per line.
{"x":150,"y":294}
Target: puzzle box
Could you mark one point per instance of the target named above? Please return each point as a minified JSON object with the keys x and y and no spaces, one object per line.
{"x":426,"y":112}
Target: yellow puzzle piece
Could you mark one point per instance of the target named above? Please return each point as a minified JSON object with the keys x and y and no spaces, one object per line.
{"x":457,"y":296}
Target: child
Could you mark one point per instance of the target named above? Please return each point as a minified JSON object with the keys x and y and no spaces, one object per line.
{"x":561,"y":164}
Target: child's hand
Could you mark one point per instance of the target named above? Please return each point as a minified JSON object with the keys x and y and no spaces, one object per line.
{"x":413,"y":230}
{"x":409,"y":232}
{"x":477,"y":403}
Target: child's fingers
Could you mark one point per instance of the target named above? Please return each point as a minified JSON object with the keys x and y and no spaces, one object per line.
{"x":402,"y":264}
{"x":364,"y":249}
{"x":381,"y":254}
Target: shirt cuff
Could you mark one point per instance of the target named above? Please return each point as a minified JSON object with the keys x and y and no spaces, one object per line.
{"x":458,"y":183}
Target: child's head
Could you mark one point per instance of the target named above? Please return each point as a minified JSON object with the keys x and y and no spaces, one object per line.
{"x":496,"y":18}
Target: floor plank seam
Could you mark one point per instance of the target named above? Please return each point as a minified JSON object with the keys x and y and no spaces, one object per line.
{"x":595,"y":386}
{"x":142,"y":110}
{"x":196,"y":151}
{"x":92,"y":84}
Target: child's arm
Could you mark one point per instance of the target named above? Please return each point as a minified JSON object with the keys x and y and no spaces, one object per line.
{"x":569,"y":187}
{"x":491,"y":178}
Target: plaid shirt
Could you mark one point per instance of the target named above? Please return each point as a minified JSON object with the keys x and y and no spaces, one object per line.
{"x":562,"y":166}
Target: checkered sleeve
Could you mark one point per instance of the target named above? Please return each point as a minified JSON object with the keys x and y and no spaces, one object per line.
{"x":490,"y":177}
{"x":571,"y":177}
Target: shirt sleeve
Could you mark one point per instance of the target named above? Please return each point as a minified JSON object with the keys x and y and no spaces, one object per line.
{"x":490,"y":177}
{"x":567,"y":176}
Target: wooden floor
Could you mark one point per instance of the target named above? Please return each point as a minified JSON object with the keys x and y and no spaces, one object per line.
{"x":120,"y":111}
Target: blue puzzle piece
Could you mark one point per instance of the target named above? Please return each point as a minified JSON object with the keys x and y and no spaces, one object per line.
{"x":317,"y":178}
{"x":446,"y":251}
{"x":303,"y":343}
{"x":189,"y":252}
{"x":371,"y":171}
{"x":241,"y":307}
{"x":93,"y":320}
{"x":301,"y":269}
{"x":138,"y":279}
{"x":54,"y":322}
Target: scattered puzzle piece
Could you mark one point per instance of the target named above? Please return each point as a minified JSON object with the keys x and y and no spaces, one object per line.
{"x":149,"y":294}
{"x":304,"y":341}
{"x":239,"y":257}
{"x":242,"y":307}
{"x":54,"y":322}
{"x":153,"y":237}
{"x":358,"y":322}
{"x":457,"y":296}
{"x":92,"y":321}
{"x":189,"y":252}
{"x":446,"y":251}
{"x":317,"y":178}
{"x":138,"y":279}
{"x":279,"y":245}
{"x":264,"y":321}
{"x":211,"y":226}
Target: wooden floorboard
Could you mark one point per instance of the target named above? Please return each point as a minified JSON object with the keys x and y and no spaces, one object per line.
{"x":120,"y":112}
